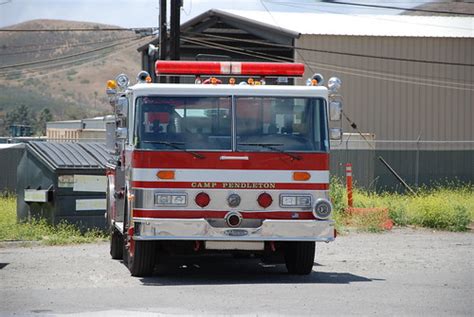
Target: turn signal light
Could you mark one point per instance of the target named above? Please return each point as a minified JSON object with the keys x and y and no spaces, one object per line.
{"x":165,"y":174}
{"x":301,"y":176}
{"x":202,"y":199}
{"x":264,"y":200}
{"x":111,"y":84}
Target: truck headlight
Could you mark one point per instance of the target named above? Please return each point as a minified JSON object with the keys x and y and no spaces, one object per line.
{"x":166,"y":199}
{"x":322,"y":209}
{"x":288,"y":200}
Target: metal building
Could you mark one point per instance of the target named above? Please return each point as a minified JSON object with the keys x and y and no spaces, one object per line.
{"x":407,"y":80}
{"x":63,"y":182}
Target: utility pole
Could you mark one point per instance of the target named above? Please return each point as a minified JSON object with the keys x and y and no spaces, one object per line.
{"x":163,"y":36}
{"x":175,"y":32}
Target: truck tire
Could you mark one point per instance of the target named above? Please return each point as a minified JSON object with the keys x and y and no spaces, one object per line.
{"x":142,"y":261}
{"x":116,"y":245}
{"x":299,"y":257}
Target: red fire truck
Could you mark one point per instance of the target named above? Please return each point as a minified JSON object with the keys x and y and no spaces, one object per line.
{"x":212,"y":167}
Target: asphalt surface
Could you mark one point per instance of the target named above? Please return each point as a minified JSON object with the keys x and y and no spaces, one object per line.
{"x":403,"y":272}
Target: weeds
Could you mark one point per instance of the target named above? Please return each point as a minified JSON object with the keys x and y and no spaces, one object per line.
{"x":40,"y":230}
{"x":446,"y":207}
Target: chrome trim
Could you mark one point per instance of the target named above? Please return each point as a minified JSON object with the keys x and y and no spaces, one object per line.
{"x":233,"y":200}
{"x":230,"y":214}
{"x":199,"y":229}
{"x":236,"y":158}
{"x":144,"y":199}
{"x":309,"y":207}
{"x":325,"y":201}
{"x":170,"y":194}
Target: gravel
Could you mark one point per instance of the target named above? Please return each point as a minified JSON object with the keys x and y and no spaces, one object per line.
{"x":402,"y":272}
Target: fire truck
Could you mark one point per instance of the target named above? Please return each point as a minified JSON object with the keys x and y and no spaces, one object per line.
{"x":227,"y":165}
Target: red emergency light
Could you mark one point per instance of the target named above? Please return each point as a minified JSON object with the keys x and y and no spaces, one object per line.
{"x":229,"y":68}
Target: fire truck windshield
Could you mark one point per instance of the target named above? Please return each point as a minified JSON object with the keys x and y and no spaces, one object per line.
{"x":282,"y":123}
{"x":262,"y":124}
{"x":201,"y":123}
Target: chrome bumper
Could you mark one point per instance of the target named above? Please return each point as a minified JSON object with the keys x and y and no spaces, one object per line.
{"x":200,"y":229}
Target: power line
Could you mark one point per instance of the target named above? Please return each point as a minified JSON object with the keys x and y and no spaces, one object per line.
{"x":345,"y":70}
{"x":399,"y":8}
{"x":276,"y":23}
{"x":50,"y":48}
{"x":61,"y":57}
{"x":88,"y":60}
{"x":70,"y":30}
{"x":341,"y":53}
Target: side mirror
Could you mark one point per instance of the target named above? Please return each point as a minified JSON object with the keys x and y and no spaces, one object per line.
{"x":335,"y":110}
{"x":122,"y":106}
{"x":335,"y":133}
{"x":121,"y":133}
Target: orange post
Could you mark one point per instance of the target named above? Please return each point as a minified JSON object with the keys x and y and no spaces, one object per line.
{"x":349,"y":184}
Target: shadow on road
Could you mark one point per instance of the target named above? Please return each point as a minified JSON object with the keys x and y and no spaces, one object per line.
{"x":220,"y":272}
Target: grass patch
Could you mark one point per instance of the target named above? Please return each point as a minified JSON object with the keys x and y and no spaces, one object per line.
{"x":39,"y":230}
{"x":443,"y":208}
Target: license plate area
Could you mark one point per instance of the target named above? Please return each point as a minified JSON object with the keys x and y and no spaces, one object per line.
{"x":235,"y":245}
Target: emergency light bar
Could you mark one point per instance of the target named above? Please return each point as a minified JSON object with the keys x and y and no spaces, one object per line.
{"x":229,"y":68}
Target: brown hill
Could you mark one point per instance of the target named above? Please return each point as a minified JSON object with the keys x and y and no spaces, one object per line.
{"x":453,"y":6}
{"x":65,"y":71}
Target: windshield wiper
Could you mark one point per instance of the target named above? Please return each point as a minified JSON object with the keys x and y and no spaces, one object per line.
{"x":176,"y":145}
{"x":272,"y":146}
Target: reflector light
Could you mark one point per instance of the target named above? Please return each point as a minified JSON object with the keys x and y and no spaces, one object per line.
{"x":264,"y":200}
{"x":229,"y":68}
{"x":202,"y":199}
{"x":165,"y":174}
{"x":301,"y":176}
{"x":111,"y":84}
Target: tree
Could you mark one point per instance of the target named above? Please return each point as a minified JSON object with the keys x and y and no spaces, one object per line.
{"x":19,"y":116}
{"x":44,"y":117}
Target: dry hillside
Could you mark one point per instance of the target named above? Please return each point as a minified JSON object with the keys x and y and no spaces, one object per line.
{"x":71,"y":80}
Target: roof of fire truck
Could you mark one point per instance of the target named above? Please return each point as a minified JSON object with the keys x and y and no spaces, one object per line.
{"x":242,"y":79}
{"x":143,"y":89}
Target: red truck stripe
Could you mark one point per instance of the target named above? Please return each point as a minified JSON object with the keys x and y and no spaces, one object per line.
{"x":212,"y":160}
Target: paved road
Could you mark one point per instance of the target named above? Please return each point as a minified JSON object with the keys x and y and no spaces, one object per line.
{"x":404,"y":272}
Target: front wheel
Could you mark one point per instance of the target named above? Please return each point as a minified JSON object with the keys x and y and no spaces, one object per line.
{"x":141,"y":259}
{"x":299,"y":257}
{"x":116,"y":245}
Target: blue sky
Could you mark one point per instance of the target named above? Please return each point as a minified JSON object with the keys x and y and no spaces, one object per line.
{"x":144,"y":13}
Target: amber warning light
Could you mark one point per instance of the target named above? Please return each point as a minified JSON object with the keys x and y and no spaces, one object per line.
{"x":229,"y":68}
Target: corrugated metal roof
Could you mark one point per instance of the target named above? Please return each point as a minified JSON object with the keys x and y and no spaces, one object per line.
{"x":364,"y":25}
{"x":71,"y":155}
{"x":98,"y":150}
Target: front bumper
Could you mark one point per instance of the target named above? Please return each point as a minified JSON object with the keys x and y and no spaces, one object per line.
{"x":200,"y":229}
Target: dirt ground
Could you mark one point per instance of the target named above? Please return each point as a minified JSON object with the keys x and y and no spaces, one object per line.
{"x":402,"y":272}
